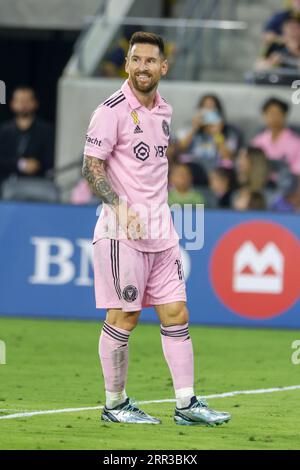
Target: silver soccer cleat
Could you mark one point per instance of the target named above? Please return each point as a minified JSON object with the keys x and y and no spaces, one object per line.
{"x":128,"y":413}
{"x":199,"y":414}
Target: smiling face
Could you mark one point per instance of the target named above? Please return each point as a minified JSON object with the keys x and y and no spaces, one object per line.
{"x":145,"y":66}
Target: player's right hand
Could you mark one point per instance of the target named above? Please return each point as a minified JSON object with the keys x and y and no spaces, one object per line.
{"x":130,"y":222}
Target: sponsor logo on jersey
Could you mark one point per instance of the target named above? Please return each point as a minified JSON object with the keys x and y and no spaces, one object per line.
{"x":138,"y":130}
{"x":93,"y":140}
{"x":142,"y":151}
{"x":136,"y":122}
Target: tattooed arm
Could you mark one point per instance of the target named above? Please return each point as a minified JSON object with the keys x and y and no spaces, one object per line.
{"x":94,"y":172}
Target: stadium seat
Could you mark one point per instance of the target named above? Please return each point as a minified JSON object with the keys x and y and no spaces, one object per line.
{"x":29,"y":189}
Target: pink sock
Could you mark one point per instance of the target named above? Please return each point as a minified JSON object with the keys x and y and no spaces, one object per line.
{"x":178,"y":351}
{"x":113,"y":352}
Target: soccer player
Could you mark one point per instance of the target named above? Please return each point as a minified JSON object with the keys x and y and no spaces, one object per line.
{"x":137,"y":262}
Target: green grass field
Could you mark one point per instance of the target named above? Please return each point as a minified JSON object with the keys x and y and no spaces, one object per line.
{"x":54,"y":365}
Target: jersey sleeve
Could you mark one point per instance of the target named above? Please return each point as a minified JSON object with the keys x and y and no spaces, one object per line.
{"x":101,"y":136}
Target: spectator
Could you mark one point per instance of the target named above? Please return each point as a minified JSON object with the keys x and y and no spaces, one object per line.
{"x":252,"y":169}
{"x":26,"y":142}
{"x":277,"y":140}
{"x":246,"y":199}
{"x":210,"y":141}
{"x":221,"y":182}
{"x":182,"y":191}
{"x":213,"y":102}
{"x":283,"y":54}
{"x":81,"y":193}
{"x":252,"y":176}
{"x":273,"y":27}
{"x":290,"y":200}
{"x":113,"y":63}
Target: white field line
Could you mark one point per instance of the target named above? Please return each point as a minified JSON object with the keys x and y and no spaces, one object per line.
{"x":28,"y":414}
{"x":4,"y":410}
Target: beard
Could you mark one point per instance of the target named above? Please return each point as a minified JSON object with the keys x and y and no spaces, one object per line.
{"x":144,"y":88}
{"x":24,"y":114}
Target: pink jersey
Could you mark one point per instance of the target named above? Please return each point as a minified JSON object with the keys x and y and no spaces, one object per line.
{"x":286,"y":147}
{"x":134,"y":140}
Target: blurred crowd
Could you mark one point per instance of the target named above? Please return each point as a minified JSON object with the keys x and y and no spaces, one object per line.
{"x":210,"y":159}
{"x":211,"y":163}
{"x":280,"y":44}
{"x":281,"y":40}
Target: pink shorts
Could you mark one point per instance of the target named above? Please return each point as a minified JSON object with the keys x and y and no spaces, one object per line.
{"x":130,"y":279}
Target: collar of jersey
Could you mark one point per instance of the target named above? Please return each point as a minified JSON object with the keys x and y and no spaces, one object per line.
{"x":134,"y":102}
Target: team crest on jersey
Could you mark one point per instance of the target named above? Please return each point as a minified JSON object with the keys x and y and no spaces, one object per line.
{"x":136,"y":121}
{"x":130,"y":293}
{"x":165,"y":128}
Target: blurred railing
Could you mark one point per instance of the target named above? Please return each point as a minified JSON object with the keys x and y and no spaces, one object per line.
{"x":198,"y":44}
{"x":275,"y":76}
{"x":200,"y":41}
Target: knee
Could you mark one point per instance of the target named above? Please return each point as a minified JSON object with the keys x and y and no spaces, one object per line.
{"x":129,"y":321}
{"x":124,"y":320}
{"x":177,"y":316}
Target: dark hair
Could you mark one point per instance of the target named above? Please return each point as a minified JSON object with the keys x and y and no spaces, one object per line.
{"x":181,"y":165}
{"x":143,"y":37}
{"x":226,"y":173}
{"x":217,"y":101}
{"x":275,"y":102}
{"x":257,"y":201}
{"x":25,"y":88}
{"x":290,"y":19}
